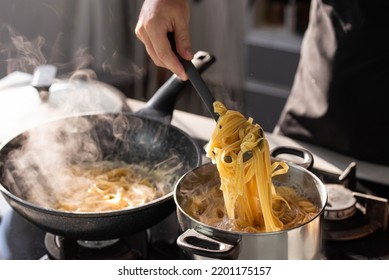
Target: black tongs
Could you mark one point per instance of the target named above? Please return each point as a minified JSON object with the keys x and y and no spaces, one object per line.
{"x":196,"y":79}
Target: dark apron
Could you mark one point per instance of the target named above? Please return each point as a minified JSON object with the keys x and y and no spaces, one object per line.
{"x":340,"y":96}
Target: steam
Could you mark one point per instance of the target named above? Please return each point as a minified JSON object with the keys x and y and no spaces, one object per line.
{"x":24,"y":55}
{"x":20,"y":54}
{"x":70,"y":129}
{"x":78,"y":93}
{"x":39,"y":170}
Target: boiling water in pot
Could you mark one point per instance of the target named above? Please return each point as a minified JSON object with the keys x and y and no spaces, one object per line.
{"x":204,"y":202}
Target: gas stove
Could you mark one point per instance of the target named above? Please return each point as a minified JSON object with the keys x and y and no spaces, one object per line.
{"x":354,"y":224}
{"x":354,"y":227}
{"x":21,"y":240}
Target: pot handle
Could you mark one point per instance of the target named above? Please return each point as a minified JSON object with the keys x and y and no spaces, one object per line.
{"x":162,"y":103}
{"x":306,"y":155}
{"x":199,"y":244}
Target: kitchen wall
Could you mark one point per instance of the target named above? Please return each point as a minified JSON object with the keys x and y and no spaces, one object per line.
{"x":73,"y":34}
{"x":219,"y":27}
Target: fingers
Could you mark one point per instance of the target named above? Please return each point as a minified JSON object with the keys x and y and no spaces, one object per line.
{"x":142,"y":36}
{"x":156,"y":19}
{"x":159,"y":49}
{"x":165,"y":54}
{"x":183,"y":43}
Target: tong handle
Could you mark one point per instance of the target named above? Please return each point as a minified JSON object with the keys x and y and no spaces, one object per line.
{"x":196,"y":80}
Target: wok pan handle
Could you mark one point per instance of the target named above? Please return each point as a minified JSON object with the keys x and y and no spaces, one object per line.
{"x":307,"y":157}
{"x":162,"y":103}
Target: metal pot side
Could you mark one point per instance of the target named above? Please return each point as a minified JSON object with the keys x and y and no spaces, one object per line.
{"x":201,"y":241}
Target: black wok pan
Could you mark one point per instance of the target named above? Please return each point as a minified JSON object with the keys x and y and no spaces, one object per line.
{"x":134,"y":137}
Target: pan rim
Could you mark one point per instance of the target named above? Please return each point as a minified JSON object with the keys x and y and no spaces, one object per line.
{"x":125,"y":211}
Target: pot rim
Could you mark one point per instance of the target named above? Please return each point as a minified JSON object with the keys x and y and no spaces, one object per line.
{"x":323,"y":197}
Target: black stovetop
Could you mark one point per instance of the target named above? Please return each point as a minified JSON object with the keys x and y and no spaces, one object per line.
{"x":20,"y":240}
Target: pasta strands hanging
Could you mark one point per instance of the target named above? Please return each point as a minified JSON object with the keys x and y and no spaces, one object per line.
{"x":250,"y":199}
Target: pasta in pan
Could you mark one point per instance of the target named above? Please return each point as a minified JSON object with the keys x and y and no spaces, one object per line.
{"x":247,"y":200}
{"x":107,"y":186}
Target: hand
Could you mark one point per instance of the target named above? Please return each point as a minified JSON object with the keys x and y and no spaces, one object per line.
{"x":156,"y":19}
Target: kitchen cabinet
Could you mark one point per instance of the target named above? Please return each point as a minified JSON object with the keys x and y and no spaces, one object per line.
{"x":272,"y":50}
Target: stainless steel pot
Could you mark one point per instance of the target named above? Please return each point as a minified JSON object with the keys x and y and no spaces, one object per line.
{"x":200,"y":241}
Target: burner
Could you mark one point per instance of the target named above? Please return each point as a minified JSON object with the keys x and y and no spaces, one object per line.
{"x":351,"y":215}
{"x":21,"y":240}
{"x":360,"y":215}
{"x":341,"y":203}
{"x":59,"y":247}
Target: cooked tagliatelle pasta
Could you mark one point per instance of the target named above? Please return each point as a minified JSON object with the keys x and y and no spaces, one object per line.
{"x":108,"y":185}
{"x":248,"y":200}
